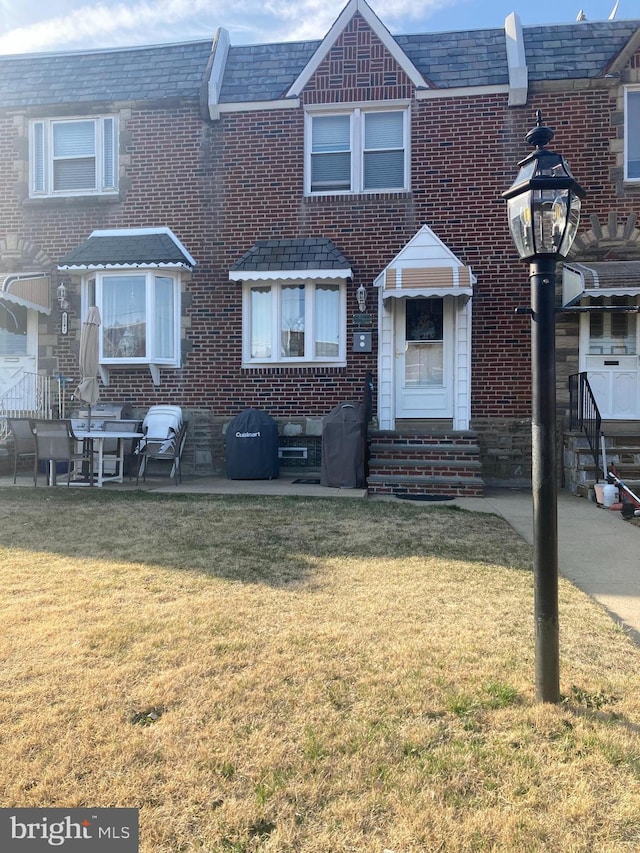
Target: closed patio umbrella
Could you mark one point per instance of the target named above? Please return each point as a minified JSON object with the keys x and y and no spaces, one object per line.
{"x":88,"y":358}
{"x":88,"y":390}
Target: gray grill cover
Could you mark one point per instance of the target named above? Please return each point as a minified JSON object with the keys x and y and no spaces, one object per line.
{"x":342,"y":464}
{"x":252,"y":447}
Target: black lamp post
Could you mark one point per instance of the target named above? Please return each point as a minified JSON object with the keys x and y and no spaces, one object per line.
{"x":544,"y":211}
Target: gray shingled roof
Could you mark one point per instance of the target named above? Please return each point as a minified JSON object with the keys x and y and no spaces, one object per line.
{"x":265,"y":72}
{"x":448,"y":60}
{"x":141,"y":73}
{"x":309,"y":253}
{"x":478,"y":57}
{"x":575,"y":50}
{"x":472,"y":58}
{"x":116,"y":250}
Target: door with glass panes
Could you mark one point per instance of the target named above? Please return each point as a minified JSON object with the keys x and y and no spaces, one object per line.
{"x":424,"y":364}
{"x":609,"y":347}
{"x":18,"y":354}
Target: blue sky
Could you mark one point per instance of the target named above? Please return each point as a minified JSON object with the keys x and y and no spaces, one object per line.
{"x":45,"y":25}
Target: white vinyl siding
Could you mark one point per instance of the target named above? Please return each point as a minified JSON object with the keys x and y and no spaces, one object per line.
{"x":632,"y":135}
{"x":73,"y":157}
{"x":358,"y":151}
{"x":301,"y":322}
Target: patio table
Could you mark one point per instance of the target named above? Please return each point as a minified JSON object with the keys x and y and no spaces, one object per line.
{"x":95,"y":439}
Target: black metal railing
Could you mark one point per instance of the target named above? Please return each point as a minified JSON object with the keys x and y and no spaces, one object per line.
{"x":585,"y":415}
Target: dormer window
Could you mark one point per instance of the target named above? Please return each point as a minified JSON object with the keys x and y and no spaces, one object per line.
{"x":70,"y":157}
{"x":357,"y":151}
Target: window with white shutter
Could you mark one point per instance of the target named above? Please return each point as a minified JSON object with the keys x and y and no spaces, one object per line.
{"x":71,"y":157}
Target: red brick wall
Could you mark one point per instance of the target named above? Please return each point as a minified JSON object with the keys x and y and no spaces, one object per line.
{"x":222,"y":187}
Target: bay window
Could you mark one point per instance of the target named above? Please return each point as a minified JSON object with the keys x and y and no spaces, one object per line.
{"x":357,"y":150}
{"x":294,"y":322}
{"x":71,"y":157}
{"x":140,"y":314}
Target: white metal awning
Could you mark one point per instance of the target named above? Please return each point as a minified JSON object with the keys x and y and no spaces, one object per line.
{"x":32,"y":290}
{"x":603,"y":278}
{"x":318,"y":275}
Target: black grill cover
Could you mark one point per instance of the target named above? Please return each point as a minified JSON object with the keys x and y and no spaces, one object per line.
{"x":252,"y":447}
{"x":342,"y":464}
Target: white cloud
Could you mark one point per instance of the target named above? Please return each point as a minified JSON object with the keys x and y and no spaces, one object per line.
{"x":106,"y":24}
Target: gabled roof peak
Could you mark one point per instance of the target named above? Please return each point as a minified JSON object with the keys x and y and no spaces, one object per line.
{"x":352,"y":8}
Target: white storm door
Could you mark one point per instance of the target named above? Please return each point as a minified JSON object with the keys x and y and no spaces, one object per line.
{"x":18,"y":353}
{"x":423,"y":358}
{"x":612,"y":362}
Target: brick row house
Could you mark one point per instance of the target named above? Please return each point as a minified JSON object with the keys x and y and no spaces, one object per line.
{"x":268,"y":226}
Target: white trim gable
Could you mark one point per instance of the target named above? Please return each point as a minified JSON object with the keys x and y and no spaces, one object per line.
{"x":425,"y":267}
{"x":426,"y":253}
{"x":336,"y":31}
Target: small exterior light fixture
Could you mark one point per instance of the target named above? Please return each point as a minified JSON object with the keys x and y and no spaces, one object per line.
{"x":361,"y":296}
{"x":61,"y":294}
{"x":543,"y":207}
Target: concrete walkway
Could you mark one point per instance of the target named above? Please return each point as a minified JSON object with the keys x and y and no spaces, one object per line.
{"x":597,"y":549}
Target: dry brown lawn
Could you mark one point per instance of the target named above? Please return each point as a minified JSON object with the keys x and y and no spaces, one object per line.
{"x":307,"y":675}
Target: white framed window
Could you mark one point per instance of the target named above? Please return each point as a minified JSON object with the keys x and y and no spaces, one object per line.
{"x":75,"y":156}
{"x":357,"y":150}
{"x":293,"y":322}
{"x":140,"y":316}
{"x":632,"y":135}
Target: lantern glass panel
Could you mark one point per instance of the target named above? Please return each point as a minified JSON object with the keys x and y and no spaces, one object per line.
{"x":549,"y":220}
{"x":519,"y":211}
{"x":572,"y":225}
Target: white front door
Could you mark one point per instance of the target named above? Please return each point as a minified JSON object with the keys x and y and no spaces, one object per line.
{"x":424,"y":357}
{"x":610,"y":357}
{"x":18,"y":353}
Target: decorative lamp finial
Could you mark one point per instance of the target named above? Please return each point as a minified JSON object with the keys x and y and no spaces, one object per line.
{"x":539,"y":135}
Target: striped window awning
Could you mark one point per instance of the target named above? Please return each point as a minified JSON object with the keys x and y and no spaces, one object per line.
{"x":604,"y":278}
{"x":428,"y":281}
{"x":426,"y":267}
{"x":32,"y":290}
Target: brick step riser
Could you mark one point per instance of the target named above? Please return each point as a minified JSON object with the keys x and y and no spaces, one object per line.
{"x":389,"y":487}
{"x":439,"y":463}
{"x":423,"y":453}
{"x":453,"y":445}
{"x":426,"y":470}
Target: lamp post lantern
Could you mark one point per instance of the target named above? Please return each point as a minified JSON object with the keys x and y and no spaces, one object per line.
{"x":544,"y":210}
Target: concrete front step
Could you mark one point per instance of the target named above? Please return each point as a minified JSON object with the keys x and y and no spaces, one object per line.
{"x":622,"y":450}
{"x":585,"y":489}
